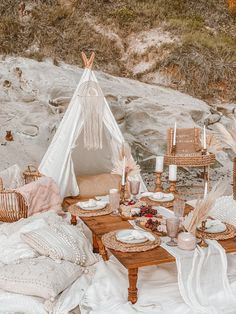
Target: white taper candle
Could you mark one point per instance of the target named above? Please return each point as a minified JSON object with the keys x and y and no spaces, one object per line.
{"x":123,"y":172}
{"x":159,"y":164}
{"x":172,"y":173}
{"x":174,"y":136}
{"x":204,"y":137}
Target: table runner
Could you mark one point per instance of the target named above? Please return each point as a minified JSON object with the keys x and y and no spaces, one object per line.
{"x":202,"y":276}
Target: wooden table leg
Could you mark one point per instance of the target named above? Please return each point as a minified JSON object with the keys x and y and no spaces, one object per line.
{"x":73,"y":220}
{"x":102,"y":249}
{"x":132,"y":290}
{"x":95,"y":244}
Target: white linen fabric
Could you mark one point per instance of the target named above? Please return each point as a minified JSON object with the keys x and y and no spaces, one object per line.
{"x":40,"y":277}
{"x":63,"y":242}
{"x":67,"y":156}
{"x":12,"y":177}
{"x":202,"y":278}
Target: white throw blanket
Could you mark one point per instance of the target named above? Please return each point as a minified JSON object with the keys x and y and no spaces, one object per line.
{"x":203,"y":280}
{"x":11,"y":177}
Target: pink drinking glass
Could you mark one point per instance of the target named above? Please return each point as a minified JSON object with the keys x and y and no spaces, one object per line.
{"x":179,"y":206}
{"x":134,"y":186}
{"x":114,"y":200}
{"x":172,"y":226}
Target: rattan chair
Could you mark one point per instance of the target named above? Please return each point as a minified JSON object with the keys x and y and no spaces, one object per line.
{"x":12,"y":205}
{"x":188,"y":151}
{"x":31,"y":174}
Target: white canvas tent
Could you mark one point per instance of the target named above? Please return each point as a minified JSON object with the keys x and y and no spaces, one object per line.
{"x":67,"y":156}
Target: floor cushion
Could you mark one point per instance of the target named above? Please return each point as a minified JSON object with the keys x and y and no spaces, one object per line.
{"x":97,"y":185}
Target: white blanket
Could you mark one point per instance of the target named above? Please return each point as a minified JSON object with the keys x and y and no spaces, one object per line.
{"x":13,"y":248}
{"x":203,"y":280}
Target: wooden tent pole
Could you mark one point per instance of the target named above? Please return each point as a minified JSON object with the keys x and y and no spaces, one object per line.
{"x":88,"y":63}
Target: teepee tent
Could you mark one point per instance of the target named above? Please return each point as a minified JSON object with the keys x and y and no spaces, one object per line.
{"x":88,"y":140}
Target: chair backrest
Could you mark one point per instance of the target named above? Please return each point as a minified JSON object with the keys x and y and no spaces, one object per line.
{"x":1,"y":184}
{"x":188,"y":141}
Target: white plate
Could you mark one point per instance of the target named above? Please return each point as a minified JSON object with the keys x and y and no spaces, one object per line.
{"x":122,"y":234}
{"x":217,"y":228}
{"x":99,"y":205}
{"x":169,"y":197}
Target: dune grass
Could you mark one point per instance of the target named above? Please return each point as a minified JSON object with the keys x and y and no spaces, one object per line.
{"x":203,"y":64}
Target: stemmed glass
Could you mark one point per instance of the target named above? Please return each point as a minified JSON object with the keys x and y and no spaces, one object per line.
{"x":179,"y":206}
{"x":172,"y":226}
{"x":114,"y":200}
{"x":134,"y":189}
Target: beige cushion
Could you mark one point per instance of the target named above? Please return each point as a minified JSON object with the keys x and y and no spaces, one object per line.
{"x":40,"y":277}
{"x":61,"y":242}
{"x":97,"y":185}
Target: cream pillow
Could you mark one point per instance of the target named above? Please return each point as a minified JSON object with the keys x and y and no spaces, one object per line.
{"x":40,"y":277}
{"x":97,"y":185}
{"x":61,"y":242}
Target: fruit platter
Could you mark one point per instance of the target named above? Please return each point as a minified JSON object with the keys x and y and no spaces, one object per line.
{"x":156,"y":225}
{"x":133,"y":210}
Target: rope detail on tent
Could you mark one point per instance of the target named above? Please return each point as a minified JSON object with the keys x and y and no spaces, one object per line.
{"x":92,"y":104}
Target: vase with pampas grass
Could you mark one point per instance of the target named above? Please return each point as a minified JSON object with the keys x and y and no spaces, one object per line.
{"x":202,"y":208}
{"x":229,"y":137}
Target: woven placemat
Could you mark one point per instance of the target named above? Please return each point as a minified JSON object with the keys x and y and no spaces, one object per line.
{"x":77,"y":211}
{"x":109,"y":240}
{"x":155,"y":203}
{"x":229,"y":233}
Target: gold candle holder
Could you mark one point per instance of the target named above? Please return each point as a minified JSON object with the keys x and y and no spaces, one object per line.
{"x":158,"y":182}
{"x":122,"y":194}
{"x":203,"y":243}
{"x":172,"y":188}
{"x":173,"y":149}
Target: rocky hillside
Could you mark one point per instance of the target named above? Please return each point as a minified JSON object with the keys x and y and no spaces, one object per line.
{"x":34,"y":96}
{"x":188,"y":45}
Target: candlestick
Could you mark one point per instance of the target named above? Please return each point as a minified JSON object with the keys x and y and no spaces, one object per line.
{"x":203,"y":243}
{"x":123,"y":172}
{"x":172,"y":173}
{"x":158,"y":182}
{"x":204,"y":137}
{"x":174,"y":137}
{"x":172,"y":188}
{"x":122,"y":194}
{"x":159,"y":164}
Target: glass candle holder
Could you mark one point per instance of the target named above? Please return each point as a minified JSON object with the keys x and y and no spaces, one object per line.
{"x":114,"y":200}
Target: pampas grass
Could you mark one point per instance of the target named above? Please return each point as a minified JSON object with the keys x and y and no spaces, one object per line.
{"x":228,"y":135}
{"x":203,"y":207}
{"x":213,"y":145}
{"x":131,"y":167}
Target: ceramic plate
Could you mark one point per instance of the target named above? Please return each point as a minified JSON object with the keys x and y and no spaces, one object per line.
{"x":99,"y":205}
{"x":221,"y":227}
{"x":122,"y":234}
{"x":168,"y":198}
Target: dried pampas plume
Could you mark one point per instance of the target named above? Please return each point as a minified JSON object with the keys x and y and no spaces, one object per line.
{"x":228,"y":136}
{"x":131,"y":167}
{"x":213,"y":145}
{"x":203,"y":207}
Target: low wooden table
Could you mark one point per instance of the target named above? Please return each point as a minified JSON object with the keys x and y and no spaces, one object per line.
{"x":132,"y":261}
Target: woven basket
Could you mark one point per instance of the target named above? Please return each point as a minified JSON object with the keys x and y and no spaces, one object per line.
{"x":197,"y":160}
{"x":188,"y":150}
{"x":232,"y":5}
{"x":31,"y":174}
{"x":12,"y":205}
{"x":234,"y":180}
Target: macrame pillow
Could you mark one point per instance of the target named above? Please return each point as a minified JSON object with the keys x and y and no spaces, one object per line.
{"x":61,"y":242}
{"x":40,"y":277}
{"x":97,"y":185}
